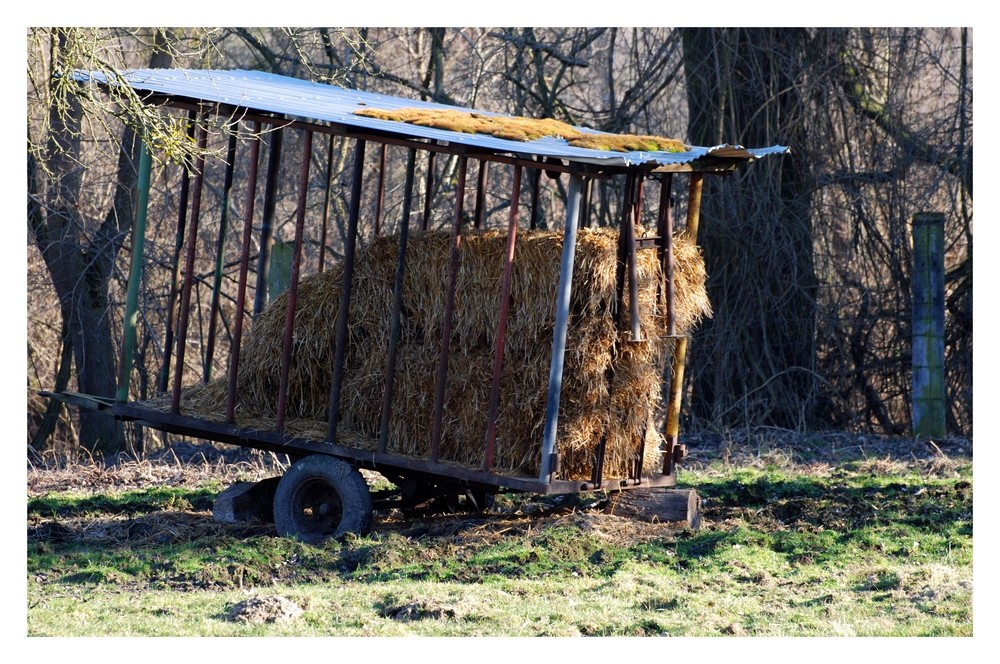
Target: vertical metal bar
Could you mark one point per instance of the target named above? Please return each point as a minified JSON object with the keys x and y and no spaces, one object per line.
{"x":168,"y":338}
{"x":449,"y":306}
{"x":633,"y":271}
{"x":484,"y":167}
{"x":340,"y":350}
{"x":326,"y":205}
{"x":270,"y":201}
{"x":561,"y":326}
{"x":637,"y":216}
{"x":220,"y":254}
{"x":536,"y":182}
{"x":381,"y":189}
{"x":428,"y":191}
{"x":505,"y":284}
{"x":397,"y":304}
{"x":640,"y":454}
{"x":622,"y":264}
{"x":135,"y":272}
{"x":175,"y":404}
{"x":672,"y":424}
{"x":597,"y":470}
{"x":588,"y":197}
{"x":293,"y":282}
{"x":666,"y":233}
{"x":241,"y":292}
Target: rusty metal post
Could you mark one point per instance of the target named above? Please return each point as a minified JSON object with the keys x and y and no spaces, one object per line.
{"x":563,"y":293}
{"x":270,"y":201}
{"x":182,"y":210}
{"x":293,"y":282}
{"x":397,"y":303}
{"x":477,"y":218}
{"x":680,"y":344}
{"x":665,"y":230}
{"x":449,"y":306}
{"x":505,"y":284}
{"x":633,"y":269}
{"x":220,"y":255}
{"x":639,"y":182}
{"x":340,"y":350}
{"x":428,"y":192}
{"x":241,"y":292}
{"x":621,"y":265}
{"x":326,"y":205}
{"x":536,"y":183}
{"x":175,"y":403}
{"x":381,"y":189}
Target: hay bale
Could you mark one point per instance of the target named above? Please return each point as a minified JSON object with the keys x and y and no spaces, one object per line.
{"x":590,"y":407}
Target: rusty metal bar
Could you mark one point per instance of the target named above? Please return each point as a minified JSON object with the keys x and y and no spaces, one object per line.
{"x":505,"y":284}
{"x":175,"y":403}
{"x":637,"y":216}
{"x":633,"y":270}
{"x":326,"y":205}
{"x":484,"y":167}
{"x":563,"y":294}
{"x":241,"y":292}
{"x":270,"y":201}
{"x":672,"y":424}
{"x":293,"y":282}
{"x":597,"y":470}
{"x":168,"y":338}
{"x":666,"y":233}
{"x":622,"y":262}
{"x":428,"y":192}
{"x":220,"y":253}
{"x":381,"y":189}
{"x":536,"y":183}
{"x":449,"y":306}
{"x":340,"y":350}
{"x":397,"y":303}
{"x":640,"y":455}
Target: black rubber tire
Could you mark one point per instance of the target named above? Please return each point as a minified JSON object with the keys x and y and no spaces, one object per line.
{"x":321,"y":497}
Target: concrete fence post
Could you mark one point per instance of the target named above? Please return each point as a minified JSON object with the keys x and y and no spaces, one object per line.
{"x":928,"y":326}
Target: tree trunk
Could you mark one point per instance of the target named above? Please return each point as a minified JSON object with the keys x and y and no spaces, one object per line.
{"x":81,"y":263}
{"x":753,"y":361}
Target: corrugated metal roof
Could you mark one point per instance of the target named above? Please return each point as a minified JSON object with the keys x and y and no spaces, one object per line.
{"x":296,"y":98}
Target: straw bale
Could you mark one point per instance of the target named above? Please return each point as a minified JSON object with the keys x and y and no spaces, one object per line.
{"x":610,"y":387}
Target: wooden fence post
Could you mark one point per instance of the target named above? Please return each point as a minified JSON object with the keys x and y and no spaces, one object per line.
{"x":928,"y":326}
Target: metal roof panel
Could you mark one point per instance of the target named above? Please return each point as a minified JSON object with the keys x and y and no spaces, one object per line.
{"x":297,"y":98}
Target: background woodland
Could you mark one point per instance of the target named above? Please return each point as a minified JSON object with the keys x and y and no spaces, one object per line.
{"x":808,"y":255}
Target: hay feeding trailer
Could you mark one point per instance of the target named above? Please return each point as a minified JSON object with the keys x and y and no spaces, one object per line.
{"x":455,"y":356}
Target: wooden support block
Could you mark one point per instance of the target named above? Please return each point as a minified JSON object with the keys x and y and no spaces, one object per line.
{"x":246,"y":502}
{"x":662,"y":504}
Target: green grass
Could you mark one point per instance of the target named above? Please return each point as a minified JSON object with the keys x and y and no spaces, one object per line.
{"x":849,"y":550}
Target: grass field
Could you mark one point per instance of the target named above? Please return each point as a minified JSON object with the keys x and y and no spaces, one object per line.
{"x":825,"y":536}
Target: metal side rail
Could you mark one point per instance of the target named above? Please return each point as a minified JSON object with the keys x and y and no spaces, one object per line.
{"x":87,"y":401}
{"x":273,"y":441}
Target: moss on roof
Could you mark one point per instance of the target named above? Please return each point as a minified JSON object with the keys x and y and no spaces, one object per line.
{"x":523,"y":129}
